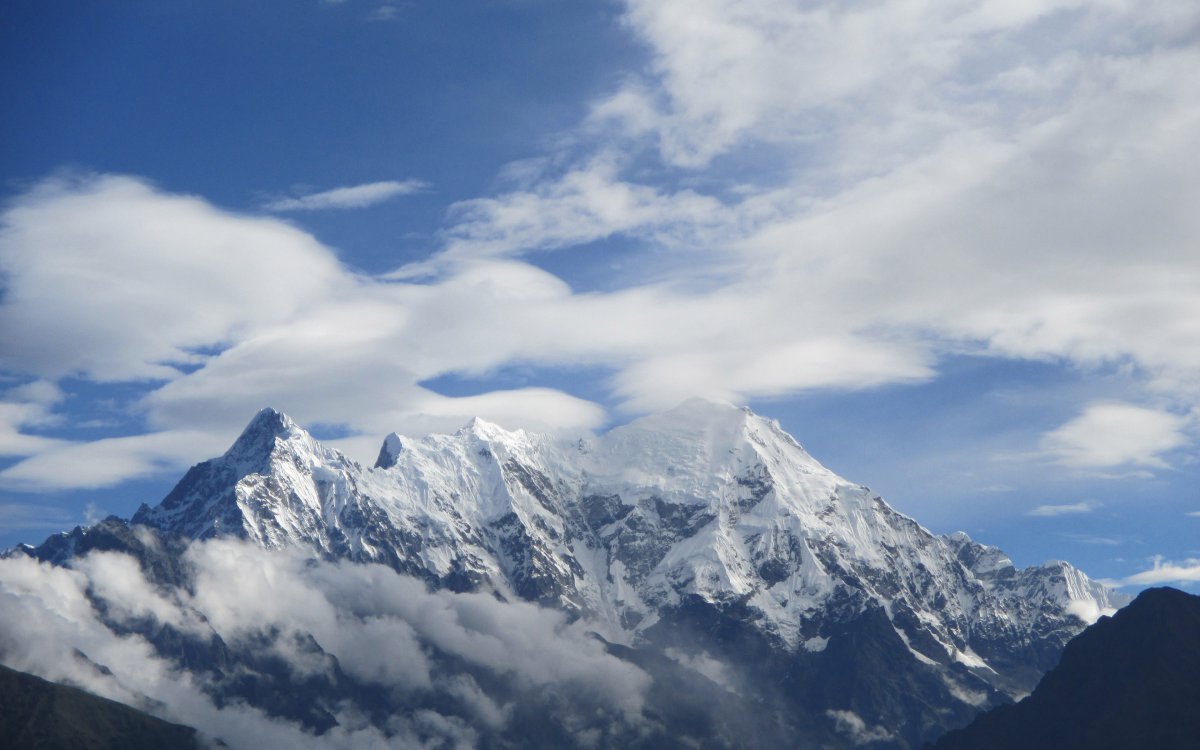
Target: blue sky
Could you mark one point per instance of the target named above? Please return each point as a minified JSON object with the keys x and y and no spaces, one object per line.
{"x":952,"y":247}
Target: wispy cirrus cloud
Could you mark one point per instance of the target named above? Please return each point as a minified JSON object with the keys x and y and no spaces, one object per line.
{"x":1092,"y":539}
{"x":356,"y":196}
{"x":1050,"y":511}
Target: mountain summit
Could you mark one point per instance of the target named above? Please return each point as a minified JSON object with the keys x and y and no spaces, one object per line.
{"x":704,"y":543}
{"x":706,"y":524}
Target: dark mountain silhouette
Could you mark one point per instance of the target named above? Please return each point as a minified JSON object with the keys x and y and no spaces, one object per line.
{"x":35,"y":713}
{"x":1128,"y":681}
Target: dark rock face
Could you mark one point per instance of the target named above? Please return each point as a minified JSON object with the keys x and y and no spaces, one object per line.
{"x":1129,"y":681}
{"x":35,"y":713}
{"x":160,"y":555}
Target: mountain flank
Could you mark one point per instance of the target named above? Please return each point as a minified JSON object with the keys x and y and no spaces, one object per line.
{"x":35,"y":713}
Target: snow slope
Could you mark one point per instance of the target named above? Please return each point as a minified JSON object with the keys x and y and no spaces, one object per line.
{"x":705,"y":501}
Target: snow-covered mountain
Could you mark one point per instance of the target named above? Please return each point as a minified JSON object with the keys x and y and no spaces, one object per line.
{"x":705,"y":533}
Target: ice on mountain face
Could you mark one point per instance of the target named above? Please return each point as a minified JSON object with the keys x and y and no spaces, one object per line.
{"x":705,"y":503}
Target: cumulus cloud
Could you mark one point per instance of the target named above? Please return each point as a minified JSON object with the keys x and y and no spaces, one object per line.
{"x":1049,"y":511}
{"x":76,"y":624}
{"x":356,"y":196}
{"x":1110,"y":435}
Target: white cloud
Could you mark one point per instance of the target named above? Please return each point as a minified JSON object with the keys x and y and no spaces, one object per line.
{"x":1163,"y":572}
{"x":586,"y":204}
{"x":356,"y":196}
{"x":90,"y":262}
{"x":379,"y":626}
{"x":997,"y":178}
{"x":1049,"y":511}
{"x":1092,"y":539}
{"x":109,"y":461}
{"x":384,"y":13}
{"x":1108,"y":435}
{"x":15,"y":418}
{"x":852,"y":725}
{"x":1088,"y":611}
{"x":885,"y":78}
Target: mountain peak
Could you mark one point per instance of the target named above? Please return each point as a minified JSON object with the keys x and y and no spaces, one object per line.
{"x":488,"y":431}
{"x":258,"y":438}
{"x":389,"y":451}
{"x":267,"y":421}
{"x":699,"y":408}
{"x":697,"y":416}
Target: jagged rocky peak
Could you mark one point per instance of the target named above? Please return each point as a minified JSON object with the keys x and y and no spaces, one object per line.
{"x":389,"y":451}
{"x":488,"y":437}
{"x":982,"y":560}
{"x":258,"y":439}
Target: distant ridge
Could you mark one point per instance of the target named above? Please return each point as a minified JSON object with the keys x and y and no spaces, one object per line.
{"x":1129,"y":681}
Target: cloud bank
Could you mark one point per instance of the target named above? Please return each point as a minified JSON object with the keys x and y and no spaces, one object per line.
{"x":1015,"y":181}
{"x":84,"y":625}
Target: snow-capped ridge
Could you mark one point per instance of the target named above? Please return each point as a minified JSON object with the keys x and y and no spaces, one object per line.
{"x":707,"y":515}
{"x":707,"y":502}
{"x":488,"y":431}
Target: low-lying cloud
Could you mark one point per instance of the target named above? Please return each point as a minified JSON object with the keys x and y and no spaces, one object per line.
{"x":88,"y":625}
